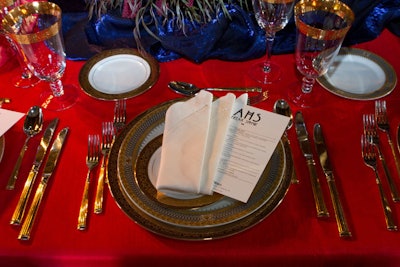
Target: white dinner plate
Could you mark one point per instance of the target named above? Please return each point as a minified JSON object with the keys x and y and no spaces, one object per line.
{"x":118,"y":74}
{"x":359,"y":74}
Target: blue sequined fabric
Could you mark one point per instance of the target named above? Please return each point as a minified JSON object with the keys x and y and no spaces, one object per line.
{"x":236,"y":38}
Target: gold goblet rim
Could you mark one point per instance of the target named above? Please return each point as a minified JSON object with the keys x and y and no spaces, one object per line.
{"x":12,"y":18}
{"x":333,"y":6}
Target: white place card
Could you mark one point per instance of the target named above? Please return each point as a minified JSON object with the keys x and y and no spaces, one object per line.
{"x":8,"y":118}
{"x":252,"y":137}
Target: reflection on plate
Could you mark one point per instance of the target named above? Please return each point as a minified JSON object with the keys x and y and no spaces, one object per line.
{"x":118,"y":74}
{"x":222,"y":217}
{"x":147,"y":166}
{"x":359,"y":74}
{"x":2,"y":145}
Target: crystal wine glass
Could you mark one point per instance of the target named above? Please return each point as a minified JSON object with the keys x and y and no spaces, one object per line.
{"x":36,"y":29}
{"x":26,"y":78}
{"x":272,"y":16}
{"x":321,"y":29}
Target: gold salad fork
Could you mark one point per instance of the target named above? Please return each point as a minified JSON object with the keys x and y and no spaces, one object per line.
{"x":108,"y":135}
{"x":371,"y":133}
{"x":369,"y":155}
{"x":383,"y":124}
{"x":119,"y":115}
{"x":92,"y":160}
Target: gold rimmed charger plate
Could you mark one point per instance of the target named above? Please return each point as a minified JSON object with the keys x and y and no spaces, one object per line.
{"x":2,"y":146}
{"x":221,"y":218}
{"x":118,"y":74}
{"x":360,"y":75}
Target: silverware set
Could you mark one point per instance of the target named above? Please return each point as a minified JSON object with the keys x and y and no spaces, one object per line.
{"x":97,"y":150}
{"x":319,"y":142}
{"x":371,"y":152}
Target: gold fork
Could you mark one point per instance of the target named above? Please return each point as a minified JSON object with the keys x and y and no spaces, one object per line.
{"x":371,"y":132}
{"x":92,"y":160}
{"x":252,"y":100}
{"x":119,"y":115}
{"x":108,"y":134}
{"x":383,"y":124}
{"x":369,"y":155}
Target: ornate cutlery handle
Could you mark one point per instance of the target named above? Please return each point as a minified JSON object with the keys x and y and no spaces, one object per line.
{"x":390,"y":224}
{"x":322,"y":211}
{"x":237,"y":89}
{"x":338,"y":209}
{"x":396,"y":159}
{"x":84,"y":205}
{"x":393,"y":189}
{"x":23,"y":199}
{"x":25,"y":232}
{"x":98,"y":204}
{"x":14,"y":174}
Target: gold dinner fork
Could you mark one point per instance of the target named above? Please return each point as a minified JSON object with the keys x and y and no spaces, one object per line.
{"x":119,"y":115}
{"x":108,"y":135}
{"x":383,"y":124}
{"x":92,"y":160}
{"x":369,"y":155}
{"x":252,"y":100}
{"x":371,"y":132}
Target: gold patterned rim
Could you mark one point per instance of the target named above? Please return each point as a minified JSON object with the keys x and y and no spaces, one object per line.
{"x":367,"y":63}
{"x":2,"y":146}
{"x":220,"y":219}
{"x":340,"y":9}
{"x":27,"y":12}
{"x":141,"y":77}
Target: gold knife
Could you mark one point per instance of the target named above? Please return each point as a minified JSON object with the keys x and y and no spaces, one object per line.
{"x":51,"y":163}
{"x":302,"y":136}
{"x":320,"y":146}
{"x":30,"y":180}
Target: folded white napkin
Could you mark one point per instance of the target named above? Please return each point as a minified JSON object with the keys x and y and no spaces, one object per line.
{"x":193,"y":141}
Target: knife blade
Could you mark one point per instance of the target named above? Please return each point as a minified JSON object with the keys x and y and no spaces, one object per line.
{"x":305,"y":146}
{"x":30,"y":180}
{"x":47,"y":173}
{"x":320,"y":146}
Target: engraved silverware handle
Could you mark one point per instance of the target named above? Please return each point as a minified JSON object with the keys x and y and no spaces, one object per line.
{"x":14,"y":174}
{"x":396,"y":159}
{"x":84,"y":205}
{"x":322,"y":211}
{"x":341,"y":221}
{"x":98,"y":204}
{"x":390,"y":224}
{"x":25,"y":232}
{"x":23,"y":199}
{"x":237,"y":89}
{"x":393,"y":189}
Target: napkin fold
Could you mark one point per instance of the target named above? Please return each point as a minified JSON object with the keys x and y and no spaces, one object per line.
{"x":193,"y":140}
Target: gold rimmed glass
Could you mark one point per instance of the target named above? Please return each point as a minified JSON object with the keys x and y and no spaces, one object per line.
{"x":272,"y":16}
{"x":26,"y":79}
{"x":36,"y":29}
{"x":321,"y":29}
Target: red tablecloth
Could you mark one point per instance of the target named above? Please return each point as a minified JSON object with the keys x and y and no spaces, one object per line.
{"x":291,"y":235}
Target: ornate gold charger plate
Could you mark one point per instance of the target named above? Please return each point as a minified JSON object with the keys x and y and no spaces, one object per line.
{"x":118,"y":74}
{"x":2,"y":146}
{"x":221,"y":217}
{"x":360,"y":75}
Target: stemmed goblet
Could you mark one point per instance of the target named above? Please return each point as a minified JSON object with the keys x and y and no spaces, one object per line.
{"x":36,"y":29}
{"x":272,"y":16}
{"x":321,"y":28}
{"x":26,"y":78}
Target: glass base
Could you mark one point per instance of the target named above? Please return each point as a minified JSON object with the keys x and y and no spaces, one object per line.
{"x":301,"y":99}
{"x":53,"y":103}
{"x":260,"y":73}
{"x":22,"y":82}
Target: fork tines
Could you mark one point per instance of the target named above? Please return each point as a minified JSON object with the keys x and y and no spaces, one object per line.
{"x":120,"y":114}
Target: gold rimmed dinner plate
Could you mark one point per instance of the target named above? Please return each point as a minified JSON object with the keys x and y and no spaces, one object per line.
{"x":118,"y":74}
{"x":2,"y":145}
{"x":147,"y":166}
{"x":360,"y":75}
{"x":220,"y":218}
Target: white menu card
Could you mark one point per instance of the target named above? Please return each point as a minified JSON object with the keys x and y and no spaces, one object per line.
{"x":252,"y":137}
{"x":8,"y":118}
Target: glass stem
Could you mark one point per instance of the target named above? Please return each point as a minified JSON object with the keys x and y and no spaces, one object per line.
{"x":307,"y":85}
{"x":57,"y":88}
{"x":270,"y":36}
